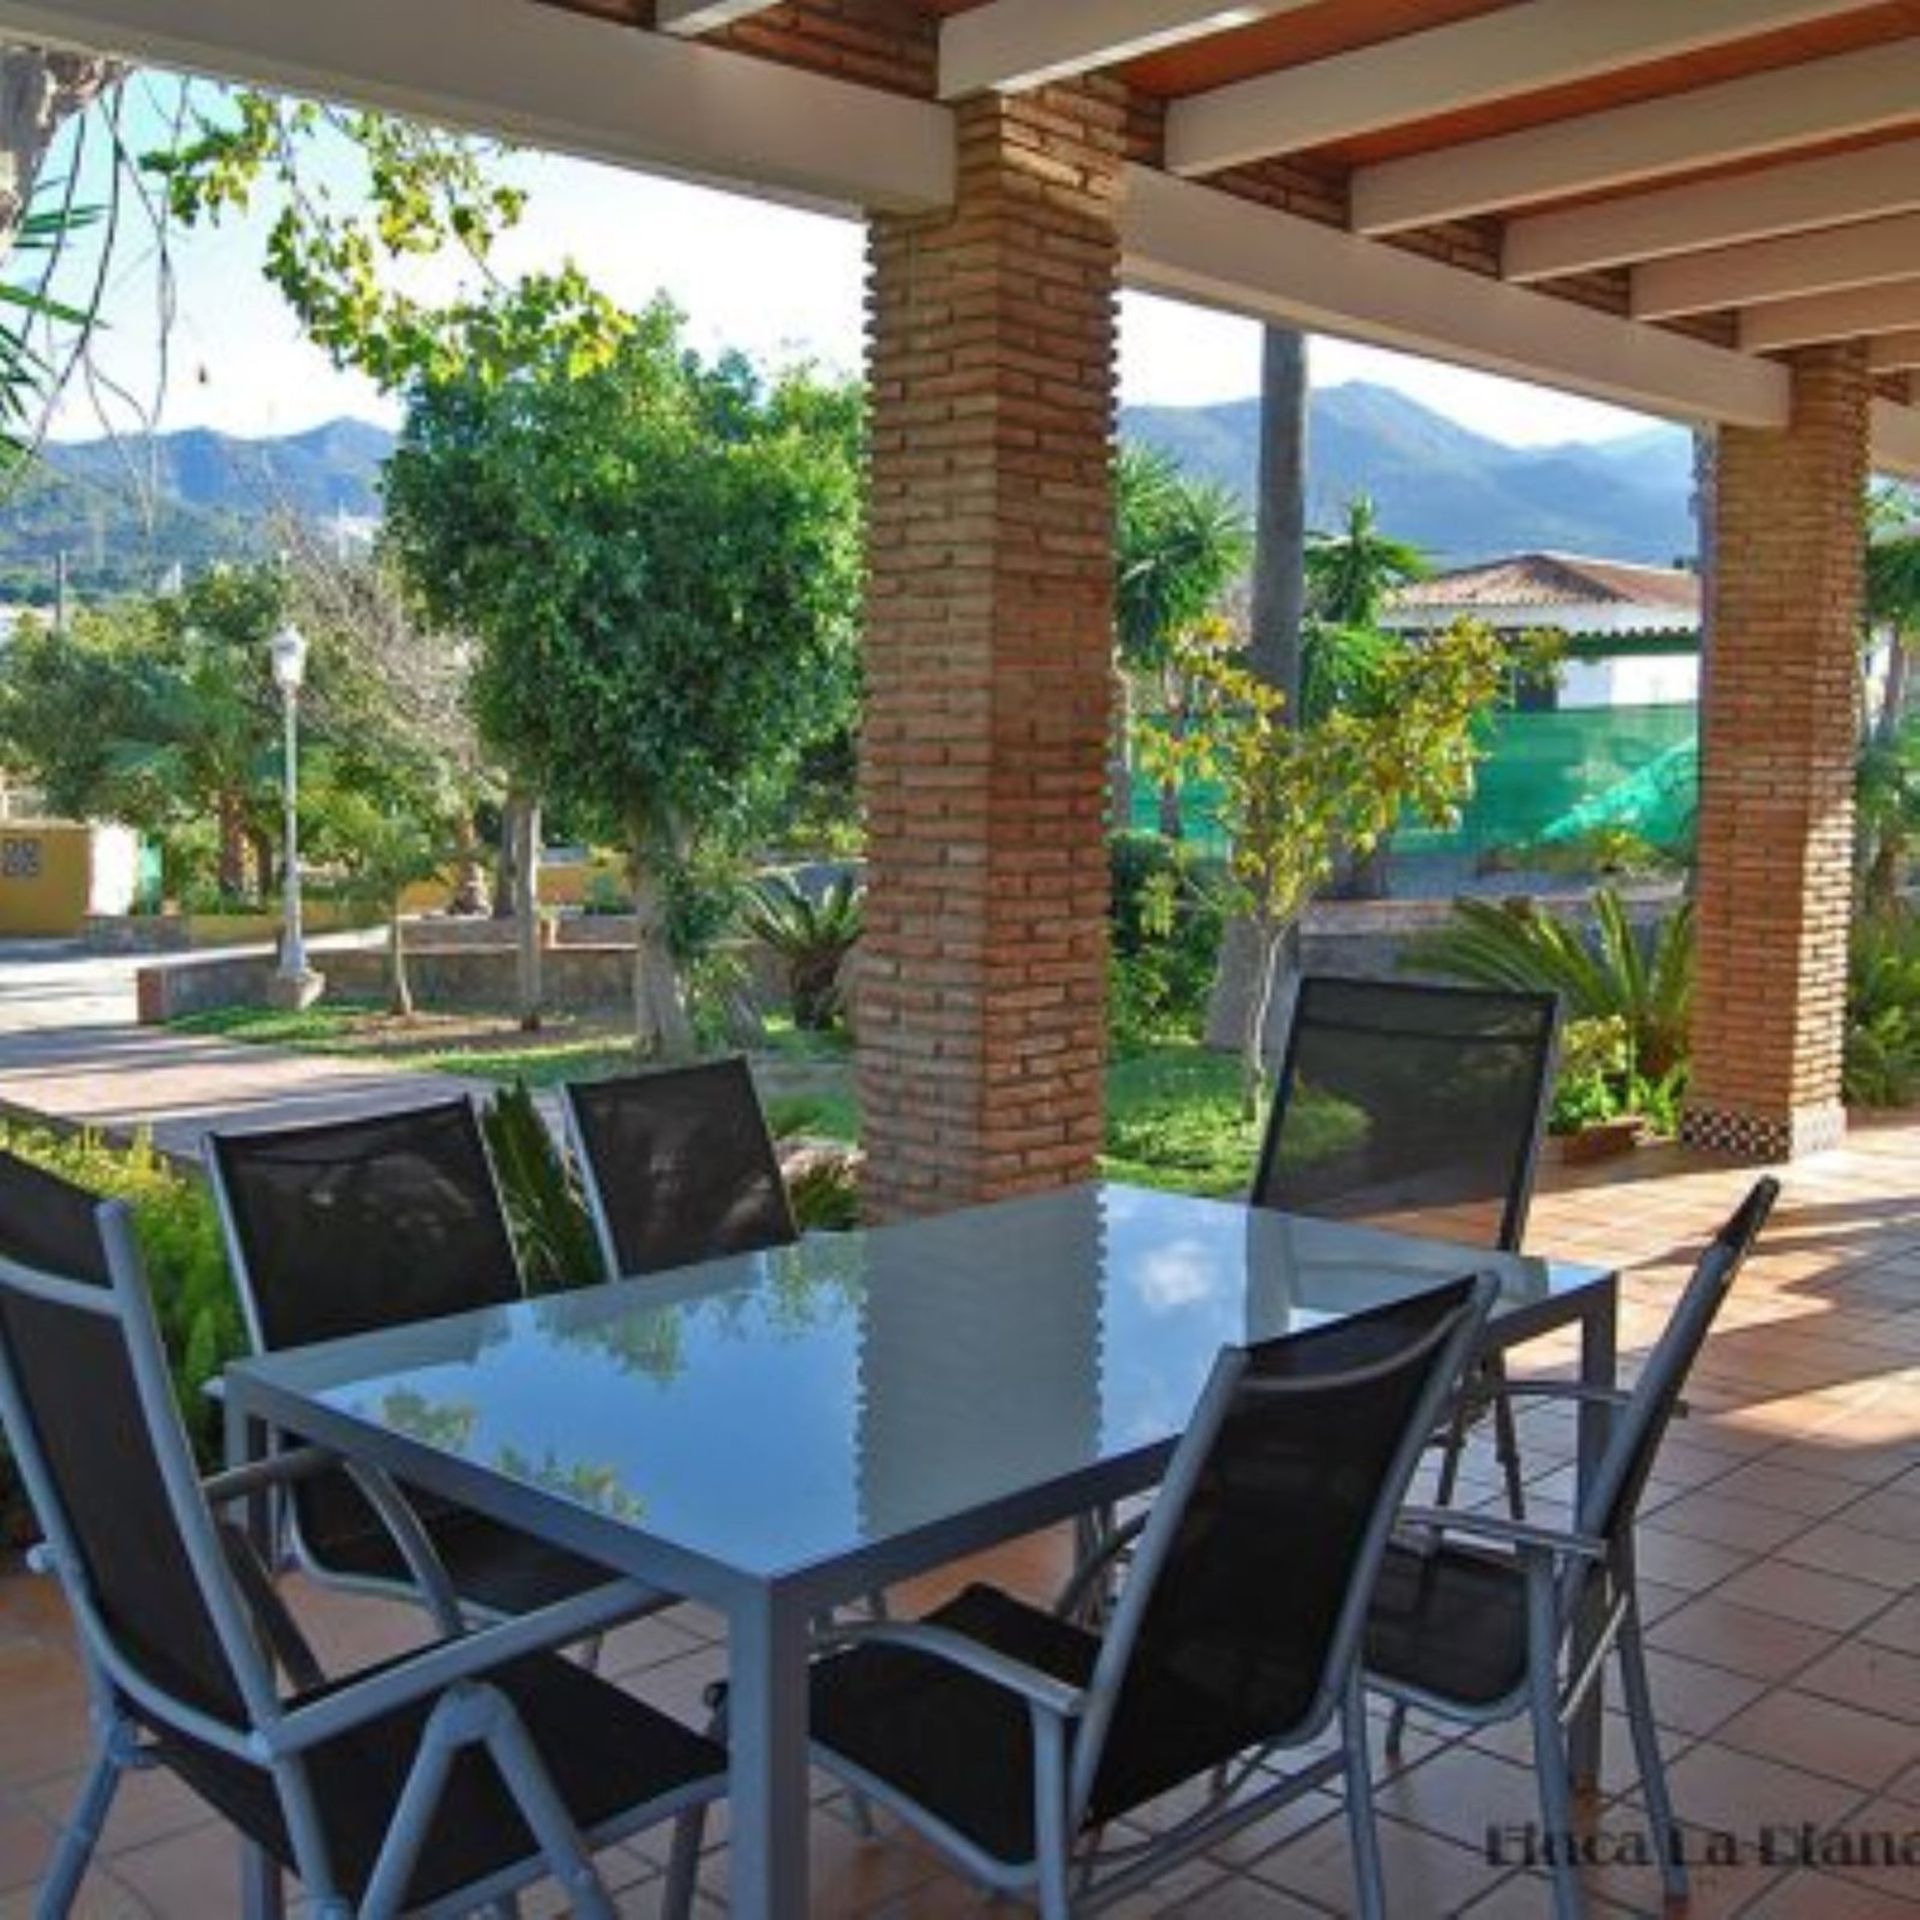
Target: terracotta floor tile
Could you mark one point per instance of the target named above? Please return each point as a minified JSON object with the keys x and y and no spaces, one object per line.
{"x":1766,"y":1645}
{"x":1808,"y":1594}
{"x":1709,"y":1514}
{"x":1863,"y":1675}
{"x":1899,"y":1626}
{"x":1822,"y":1736}
{"x":1878,"y":1557}
{"x":1824,"y":1896}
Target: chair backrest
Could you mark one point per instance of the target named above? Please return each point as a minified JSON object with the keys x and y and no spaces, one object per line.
{"x":361,"y":1224}
{"x":1411,"y":1106}
{"x":89,"y":1412}
{"x":49,"y":1223}
{"x":1251,"y":1581}
{"x":679,"y":1166}
{"x":1608,"y":1508}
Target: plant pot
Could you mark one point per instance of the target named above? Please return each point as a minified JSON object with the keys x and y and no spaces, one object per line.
{"x":1602,"y":1139}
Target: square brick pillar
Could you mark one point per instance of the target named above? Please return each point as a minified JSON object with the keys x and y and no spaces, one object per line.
{"x":982,"y":992}
{"x":1777,"y":751}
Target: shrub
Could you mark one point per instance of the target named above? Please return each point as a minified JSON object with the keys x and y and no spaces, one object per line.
{"x":1167,"y":921}
{"x":1640,"y":976}
{"x":1883,"y":1011}
{"x":812,"y":935}
{"x":193,"y":1293}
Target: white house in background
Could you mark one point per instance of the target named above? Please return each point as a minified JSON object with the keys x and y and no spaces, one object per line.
{"x":1633,"y":632}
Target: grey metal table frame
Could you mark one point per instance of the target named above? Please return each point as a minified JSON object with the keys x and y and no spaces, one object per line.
{"x":768,"y":1608}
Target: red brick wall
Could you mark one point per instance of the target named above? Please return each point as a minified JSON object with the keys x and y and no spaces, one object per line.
{"x":981,"y":1001}
{"x":1776,"y":813}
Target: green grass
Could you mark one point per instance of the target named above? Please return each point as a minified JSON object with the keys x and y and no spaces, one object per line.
{"x":1174,"y":1121}
{"x":318,"y":1029}
{"x":1173,"y":1111}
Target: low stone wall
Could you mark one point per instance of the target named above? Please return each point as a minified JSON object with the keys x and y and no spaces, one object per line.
{"x":470,"y":979}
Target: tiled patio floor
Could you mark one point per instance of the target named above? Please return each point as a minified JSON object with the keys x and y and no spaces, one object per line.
{"x":1781,"y":1553}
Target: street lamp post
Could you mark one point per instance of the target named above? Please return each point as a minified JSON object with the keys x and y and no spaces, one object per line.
{"x":295,"y":984}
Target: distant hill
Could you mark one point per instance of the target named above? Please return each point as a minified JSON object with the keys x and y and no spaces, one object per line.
{"x":125,"y":513}
{"x":1455,"y":493}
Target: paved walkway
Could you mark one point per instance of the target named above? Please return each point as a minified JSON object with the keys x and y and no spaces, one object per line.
{"x":71,"y":1049}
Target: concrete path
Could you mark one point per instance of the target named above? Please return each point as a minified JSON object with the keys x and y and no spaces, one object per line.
{"x":70,"y":1050}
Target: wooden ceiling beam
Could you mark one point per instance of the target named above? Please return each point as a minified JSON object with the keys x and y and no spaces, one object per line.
{"x":1858,"y":315}
{"x":1864,"y":254}
{"x":1796,"y":196}
{"x":1200,"y":243}
{"x":1008,"y":46}
{"x":594,"y":88}
{"x":1493,"y":56}
{"x":1763,"y":113}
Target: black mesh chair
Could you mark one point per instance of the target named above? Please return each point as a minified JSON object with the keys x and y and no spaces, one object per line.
{"x":1012,"y":1737}
{"x":435,"y":1782}
{"x":1418,"y":1108}
{"x":1475,"y":1616}
{"x":679,"y":1166}
{"x":363,"y":1224}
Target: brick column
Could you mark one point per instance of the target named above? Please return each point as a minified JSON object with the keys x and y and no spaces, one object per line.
{"x":981,"y":1006}
{"x":1777,"y":748}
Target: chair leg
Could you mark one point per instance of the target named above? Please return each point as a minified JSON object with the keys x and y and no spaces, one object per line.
{"x":1506,"y":1440}
{"x":1369,"y":1882}
{"x":1637,"y":1697}
{"x":1550,"y":1747}
{"x":79,"y":1838}
{"x":683,"y":1863}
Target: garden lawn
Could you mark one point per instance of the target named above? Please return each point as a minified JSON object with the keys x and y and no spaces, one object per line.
{"x":1173,"y":1111}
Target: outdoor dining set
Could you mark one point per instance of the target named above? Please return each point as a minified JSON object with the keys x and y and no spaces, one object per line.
{"x":1226,"y":1404}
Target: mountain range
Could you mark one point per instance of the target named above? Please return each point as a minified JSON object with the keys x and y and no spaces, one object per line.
{"x":1458,"y":495}
{"x":125,"y":513}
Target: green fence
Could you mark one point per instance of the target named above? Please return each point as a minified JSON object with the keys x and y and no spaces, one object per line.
{"x":1539,"y":767}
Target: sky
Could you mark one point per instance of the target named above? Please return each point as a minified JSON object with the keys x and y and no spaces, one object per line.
{"x":780,"y":284}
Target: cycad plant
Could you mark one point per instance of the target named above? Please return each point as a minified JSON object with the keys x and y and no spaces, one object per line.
{"x":812,"y":935}
{"x":1641,"y":976}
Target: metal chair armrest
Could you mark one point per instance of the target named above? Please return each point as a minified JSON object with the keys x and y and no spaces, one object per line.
{"x":1039,"y":1689}
{"x":1502,"y":1531}
{"x":416,"y":1548}
{"x":466,"y":1656}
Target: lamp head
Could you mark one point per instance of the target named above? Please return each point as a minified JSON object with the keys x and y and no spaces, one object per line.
{"x":289,"y":648}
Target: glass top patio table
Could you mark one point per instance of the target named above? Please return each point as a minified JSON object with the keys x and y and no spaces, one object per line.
{"x":779,"y":1432}
{"x":777,"y":1412}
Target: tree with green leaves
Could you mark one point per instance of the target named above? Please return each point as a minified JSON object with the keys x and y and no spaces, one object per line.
{"x":160,"y":713}
{"x":1180,"y":543}
{"x":660,"y":561}
{"x":1887,"y":770}
{"x":1293,"y":796}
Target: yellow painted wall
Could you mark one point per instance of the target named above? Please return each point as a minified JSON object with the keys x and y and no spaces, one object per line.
{"x":563,"y":883}
{"x":46,"y":878}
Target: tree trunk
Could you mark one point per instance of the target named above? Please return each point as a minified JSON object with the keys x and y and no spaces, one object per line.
{"x":1172,"y":825}
{"x":399,"y":987}
{"x":1893,"y":697}
{"x":505,"y":892}
{"x":469,"y":870}
{"x":232,"y":871}
{"x":1247,"y":972}
{"x":266,"y":860}
{"x":1279,"y":563}
{"x":1120,"y":753}
{"x":529,"y":990}
{"x":40,"y":91}
{"x":661,"y":1028}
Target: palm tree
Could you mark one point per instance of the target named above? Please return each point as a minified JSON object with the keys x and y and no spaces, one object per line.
{"x":1351,"y":572}
{"x":1179,"y":544}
